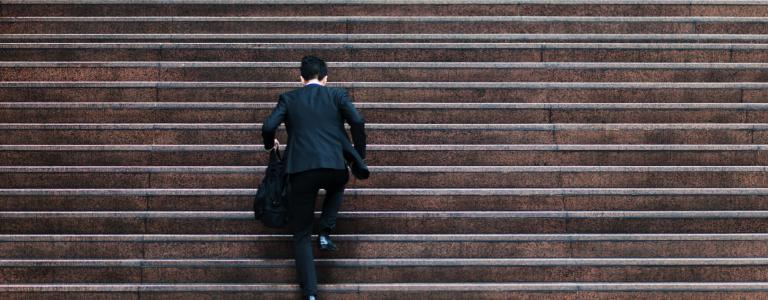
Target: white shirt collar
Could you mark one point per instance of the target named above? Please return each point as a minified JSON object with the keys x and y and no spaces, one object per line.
{"x":313,"y":81}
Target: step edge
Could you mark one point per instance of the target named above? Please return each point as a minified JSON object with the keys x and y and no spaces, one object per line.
{"x":416,"y":238}
{"x":395,"y":287}
{"x":248,"y":215}
{"x":400,"y":191}
{"x":412,"y":147}
{"x":386,"y":262}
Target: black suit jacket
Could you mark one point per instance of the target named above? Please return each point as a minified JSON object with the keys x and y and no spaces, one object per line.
{"x":314,"y":117}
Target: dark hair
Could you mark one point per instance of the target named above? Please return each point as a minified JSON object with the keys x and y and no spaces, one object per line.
{"x":313,"y":67}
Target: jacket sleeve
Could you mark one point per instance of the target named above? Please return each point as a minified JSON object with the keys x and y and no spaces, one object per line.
{"x":355,"y":121}
{"x":269,"y":127}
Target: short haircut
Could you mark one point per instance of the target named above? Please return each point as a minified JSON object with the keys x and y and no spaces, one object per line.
{"x":313,"y":67}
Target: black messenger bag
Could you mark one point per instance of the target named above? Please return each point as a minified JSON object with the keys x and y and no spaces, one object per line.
{"x":271,"y":204}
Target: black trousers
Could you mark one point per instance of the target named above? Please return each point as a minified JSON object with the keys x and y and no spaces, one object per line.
{"x":302,"y":195}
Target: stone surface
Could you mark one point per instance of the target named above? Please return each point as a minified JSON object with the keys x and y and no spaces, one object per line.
{"x":383,"y":73}
{"x":574,"y":175}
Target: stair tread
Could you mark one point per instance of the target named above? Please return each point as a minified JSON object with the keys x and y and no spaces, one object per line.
{"x":398,"y":191}
{"x":394,"y":84}
{"x":395,"y":46}
{"x":389,"y":64}
{"x":392,"y":105}
{"x":573,"y":234}
{"x":384,"y":169}
{"x":386,"y":147}
{"x":226,"y":2}
{"x":426,"y":238}
{"x":399,"y":214}
{"x":397,"y":287}
{"x":387,"y":262}
{"x":522,"y":37}
{"x":335,"y":19}
{"x":523,"y":126}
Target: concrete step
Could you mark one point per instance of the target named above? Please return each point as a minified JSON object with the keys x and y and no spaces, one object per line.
{"x":247,"y":133}
{"x":384,"y":24}
{"x":386,"y":37}
{"x":422,"y":52}
{"x":393,"y":177}
{"x":387,"y":71}
{"x":386,"y":270}
{"x":539,"y":290}
{"x":389,"y":222}
{"x":85,"y":202}
{"x":410,"y":113}
{"x":391,"y":155}
{"x":165,"y":246}
{"x":464,"y":92}
{"x":387,"y":8}
{"x":396,"y":199}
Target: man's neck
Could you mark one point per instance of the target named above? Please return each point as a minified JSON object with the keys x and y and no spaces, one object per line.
{"x":313,"y":81}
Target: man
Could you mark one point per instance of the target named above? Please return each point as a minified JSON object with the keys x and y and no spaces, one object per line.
{"x":318,"y":145}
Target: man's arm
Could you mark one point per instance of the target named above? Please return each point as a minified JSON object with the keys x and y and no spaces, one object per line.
{"x":355,"y":121}
{"x":269,"y":128}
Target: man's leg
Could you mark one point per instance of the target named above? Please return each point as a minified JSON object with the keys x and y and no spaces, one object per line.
{"x":334,"y":191}
{"x":302,"y":198}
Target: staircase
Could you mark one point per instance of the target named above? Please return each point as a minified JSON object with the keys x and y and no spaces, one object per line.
{"x":537,"y":149}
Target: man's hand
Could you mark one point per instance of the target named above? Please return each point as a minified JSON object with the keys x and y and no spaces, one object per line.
{"x":276,"y":145}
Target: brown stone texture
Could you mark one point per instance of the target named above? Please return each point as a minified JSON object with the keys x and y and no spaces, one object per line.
{"x":71,"y":295}
{"x":354,"y":26}
{"x":638,"y":55}
{"x":65,"y":225}
{"x":664,"y":202}
{"x":74,"y":54}
{"x":729,"y":10}
{"x":543,"y":9}
{"x":366,"y":225}
{"x":393,"y":157}
{"x":70,"y":275}
{"x":677,"y":225}
{"x":72,"y":203}
{"x":756,"y":96}
{"x":64,"y":250}
{"x":158,"y":225}
{"x":234,"y":136}
{"x":327,"y":274}
{"x":668,"y":249}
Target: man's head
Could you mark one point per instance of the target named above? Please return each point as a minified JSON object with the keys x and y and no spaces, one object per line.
{"x":313,"y":67}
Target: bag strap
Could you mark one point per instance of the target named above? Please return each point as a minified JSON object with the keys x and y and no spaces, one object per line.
{"x":276,"y":149}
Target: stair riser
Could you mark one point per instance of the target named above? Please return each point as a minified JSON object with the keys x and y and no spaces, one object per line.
{"x":298,"y":26}
{"x":280,"y":249}
{"x":380,"y":74}
{"x":395,"y":203}
{"x":382,"y":10}
{"x":109,"y":295}
{"x":620,"y":55}
{"x":475,"y":295}
{"x":390,"y":115}
{"x":627,"y":213}
{"x":374,"y":39}
{"x":568,"y":179}
{"x":453,"y":95}
{"x":387,"y":274}
{"x":619,"y":179}
{"x":352,"y":225}
{"x":430,"y":294}
{"x":424,"y":55}
{"x":389,"y":249}
{"x":389,"y":136}
{"x":359,"y":27}
{"x":391,"y":158}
